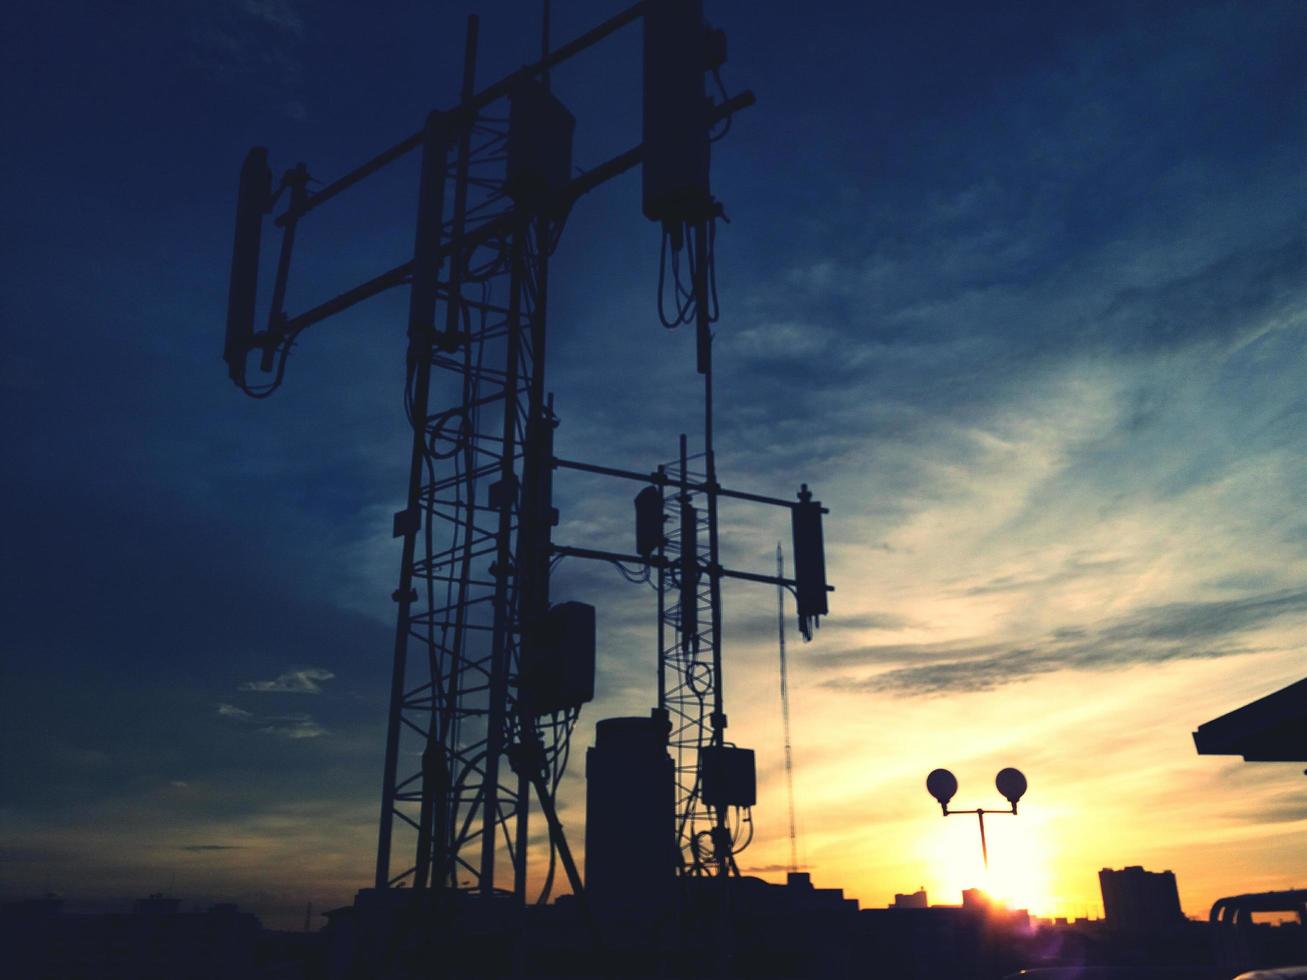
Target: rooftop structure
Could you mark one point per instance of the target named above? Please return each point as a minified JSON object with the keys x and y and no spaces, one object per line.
{"x":1139,"y":900}
{"x":1270,"y":729}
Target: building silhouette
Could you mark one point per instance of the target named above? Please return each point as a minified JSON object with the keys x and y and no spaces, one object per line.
{"x":1139,"y":900}
{"x":976,"y":899}
{"x":917,"y":900}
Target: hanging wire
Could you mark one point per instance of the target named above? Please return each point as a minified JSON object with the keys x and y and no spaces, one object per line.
{"x":284,"y":345}
{"x":726,"y":122}
{"x":677,"y":302}
{"x":745,"y":820}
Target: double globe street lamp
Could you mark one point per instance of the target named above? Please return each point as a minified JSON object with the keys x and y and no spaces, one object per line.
{"x":942,"y":785}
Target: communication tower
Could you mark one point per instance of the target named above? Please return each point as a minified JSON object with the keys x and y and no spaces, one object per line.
{"x":489,"y":672}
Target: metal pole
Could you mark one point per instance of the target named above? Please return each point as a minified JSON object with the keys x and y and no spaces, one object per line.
{"x":545,"y":17}
{"x":446,"y":868}
{"x":984,"y":848}
{"x":436,"y":804}
{"x":426,"y":267}
{"x":533,"y":554}
{"x":785,"y":706}
{"x":662,"y":611}
{"x":704,"y":344}
{"x":299,"y":181}
{"x":501,"y":637}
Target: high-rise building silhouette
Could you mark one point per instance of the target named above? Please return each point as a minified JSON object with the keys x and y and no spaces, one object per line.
{"x":1137,"y":899}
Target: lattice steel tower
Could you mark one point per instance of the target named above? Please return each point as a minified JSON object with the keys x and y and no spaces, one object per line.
{"x":488,"y":675}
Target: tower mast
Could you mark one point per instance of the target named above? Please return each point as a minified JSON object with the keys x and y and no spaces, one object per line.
{"x":785,"y":705}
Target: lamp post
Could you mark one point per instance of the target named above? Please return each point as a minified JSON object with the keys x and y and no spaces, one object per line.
{"x":942,"y":784}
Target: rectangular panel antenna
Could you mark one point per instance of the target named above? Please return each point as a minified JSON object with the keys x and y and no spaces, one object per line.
{"x":809,"y":561}
{"x":252,"y":202}
{"x":676,"y":155}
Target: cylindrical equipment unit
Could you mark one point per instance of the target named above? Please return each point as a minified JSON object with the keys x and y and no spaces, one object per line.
{"x":630,"y":823}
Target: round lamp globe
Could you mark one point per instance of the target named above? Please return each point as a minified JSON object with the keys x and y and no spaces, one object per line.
{"x":1012,"y":784}
{"x":942,"y":785}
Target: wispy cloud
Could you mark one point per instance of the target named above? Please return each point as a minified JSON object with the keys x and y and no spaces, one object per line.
{"x":252,"y":44}
{"x":275,"y":13}
{"x":303,"y":681}
{"x":1287,"y":807}
{"x":1174,"y":631}
{"x":292,"y":726}
{"x":1076,"y":567}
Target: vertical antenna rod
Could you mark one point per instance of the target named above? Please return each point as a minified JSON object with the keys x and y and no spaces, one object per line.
{"x":785,"y":705}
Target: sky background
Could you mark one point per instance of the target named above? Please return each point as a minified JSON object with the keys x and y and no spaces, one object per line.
{"x":1018,"y":288}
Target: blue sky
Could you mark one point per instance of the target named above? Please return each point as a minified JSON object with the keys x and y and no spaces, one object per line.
{"x":1017,"y":288}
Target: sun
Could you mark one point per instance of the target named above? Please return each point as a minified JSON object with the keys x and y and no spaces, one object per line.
{"x":1024,"y":886}
{"x":1018,"y":873}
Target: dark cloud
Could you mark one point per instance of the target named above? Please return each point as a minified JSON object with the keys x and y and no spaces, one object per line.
{"x":1280,"y":808}
{"x":898,"y":653}
{"x":1075,"y":568}
{"x":956,"y":676}
{"x":1223,"y":301}
{"x":1201,"y":621}
{"x":868,"y":621}
{"x":199,"y":848}
{"x":1175,"y":631}
{"x":760,"y":627}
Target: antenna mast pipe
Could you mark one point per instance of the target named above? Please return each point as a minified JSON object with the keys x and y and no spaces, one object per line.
{"x":785,"y":704}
